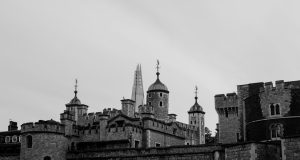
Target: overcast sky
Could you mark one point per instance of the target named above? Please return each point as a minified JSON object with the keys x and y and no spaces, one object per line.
{"x":45,"y":45}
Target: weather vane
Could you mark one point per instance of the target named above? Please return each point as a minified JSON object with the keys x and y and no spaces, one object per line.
{"x":157,"y":66}
{"x":76,"y":85}
{"x":196,"y":91}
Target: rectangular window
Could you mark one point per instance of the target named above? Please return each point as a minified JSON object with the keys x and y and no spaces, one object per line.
{"x":136,"y":144}
{"x":157,"y":144}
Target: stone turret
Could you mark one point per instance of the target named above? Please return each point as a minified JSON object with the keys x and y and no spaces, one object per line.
{"x":43,"y":139}
{"x":128,"y":107}
{"x":196,"y":118}
{"x":76,"y":108}
{"x":158,"y":97}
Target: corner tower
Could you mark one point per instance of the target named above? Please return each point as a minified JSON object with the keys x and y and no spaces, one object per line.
{"x":158,"y":97}
{"x":196,"y":118}
{"x":76,"y":107}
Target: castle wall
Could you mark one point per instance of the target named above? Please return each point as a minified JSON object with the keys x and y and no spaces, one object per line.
{"x":90,"y":135}
{"x":274,"y":95}
{"x":44,"y":144}
{"x":200,"y":152}
{"x":253,"y":151}
{"x":243,"y":92}
{"x":163,"y":139}
{"x":10,"y":157}
{"x":290,"y":148}
{"x":160,"y":112}
{"x":229,"y":121}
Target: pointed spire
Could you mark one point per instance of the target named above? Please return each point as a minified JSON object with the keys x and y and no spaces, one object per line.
{"x":137,"y":89}
{"x":76,"y":85}
{"x":196,"y":94}
{"x":157,"y":68}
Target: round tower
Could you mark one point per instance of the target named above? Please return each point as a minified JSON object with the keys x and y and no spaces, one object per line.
{"x":196,"y":118}
{"x":76,"y":107}
{"x":43,"y":140}
{"x":158,"y":97}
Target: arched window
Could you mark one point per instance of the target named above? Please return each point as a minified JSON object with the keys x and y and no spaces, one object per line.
{"x":29,"y":141}
{"x":14,"y":139}
{"x":272,"y":109}
{"x":7,"y":139}
{"x":47,"y":158}
{"x":276,"y":131}
{"x":160,"y":103}
{"x":277,"y":109}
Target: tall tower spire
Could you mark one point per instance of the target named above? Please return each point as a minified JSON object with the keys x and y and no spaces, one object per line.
{"x":137,"y":89}
{"x":76,"y":85}
{"x":196,"y":94}
{"x":157,"y":69}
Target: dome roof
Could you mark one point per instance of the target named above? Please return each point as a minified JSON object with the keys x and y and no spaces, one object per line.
{"x":158,"y":85}
{"x":75,"y":100}
{"x":196,"y":108}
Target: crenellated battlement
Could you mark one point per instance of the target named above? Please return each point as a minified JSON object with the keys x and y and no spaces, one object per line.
{"x":280,"y":85}
{"x":111,"y":112}
{"x":145,"y":109}
{"x":185,"y":126}
{"x":49,"y":126}
{"x":67,"y":115}
{"x":226,"y":101}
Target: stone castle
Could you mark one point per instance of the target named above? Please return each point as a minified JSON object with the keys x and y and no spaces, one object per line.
{"x":260,"y":121}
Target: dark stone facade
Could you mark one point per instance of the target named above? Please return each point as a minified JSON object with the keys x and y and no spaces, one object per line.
{"x":259,"y":112}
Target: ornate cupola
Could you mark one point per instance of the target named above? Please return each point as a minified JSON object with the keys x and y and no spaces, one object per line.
{"x":196,"y":118}
{"x":75,"y":106}
{"x":196,"y":108}
{"x":158,"y":97}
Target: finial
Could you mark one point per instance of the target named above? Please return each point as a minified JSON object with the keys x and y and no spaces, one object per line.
{"x":196,"y":93}
{"x":157,"y":69}
{"x":76,"y":85}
